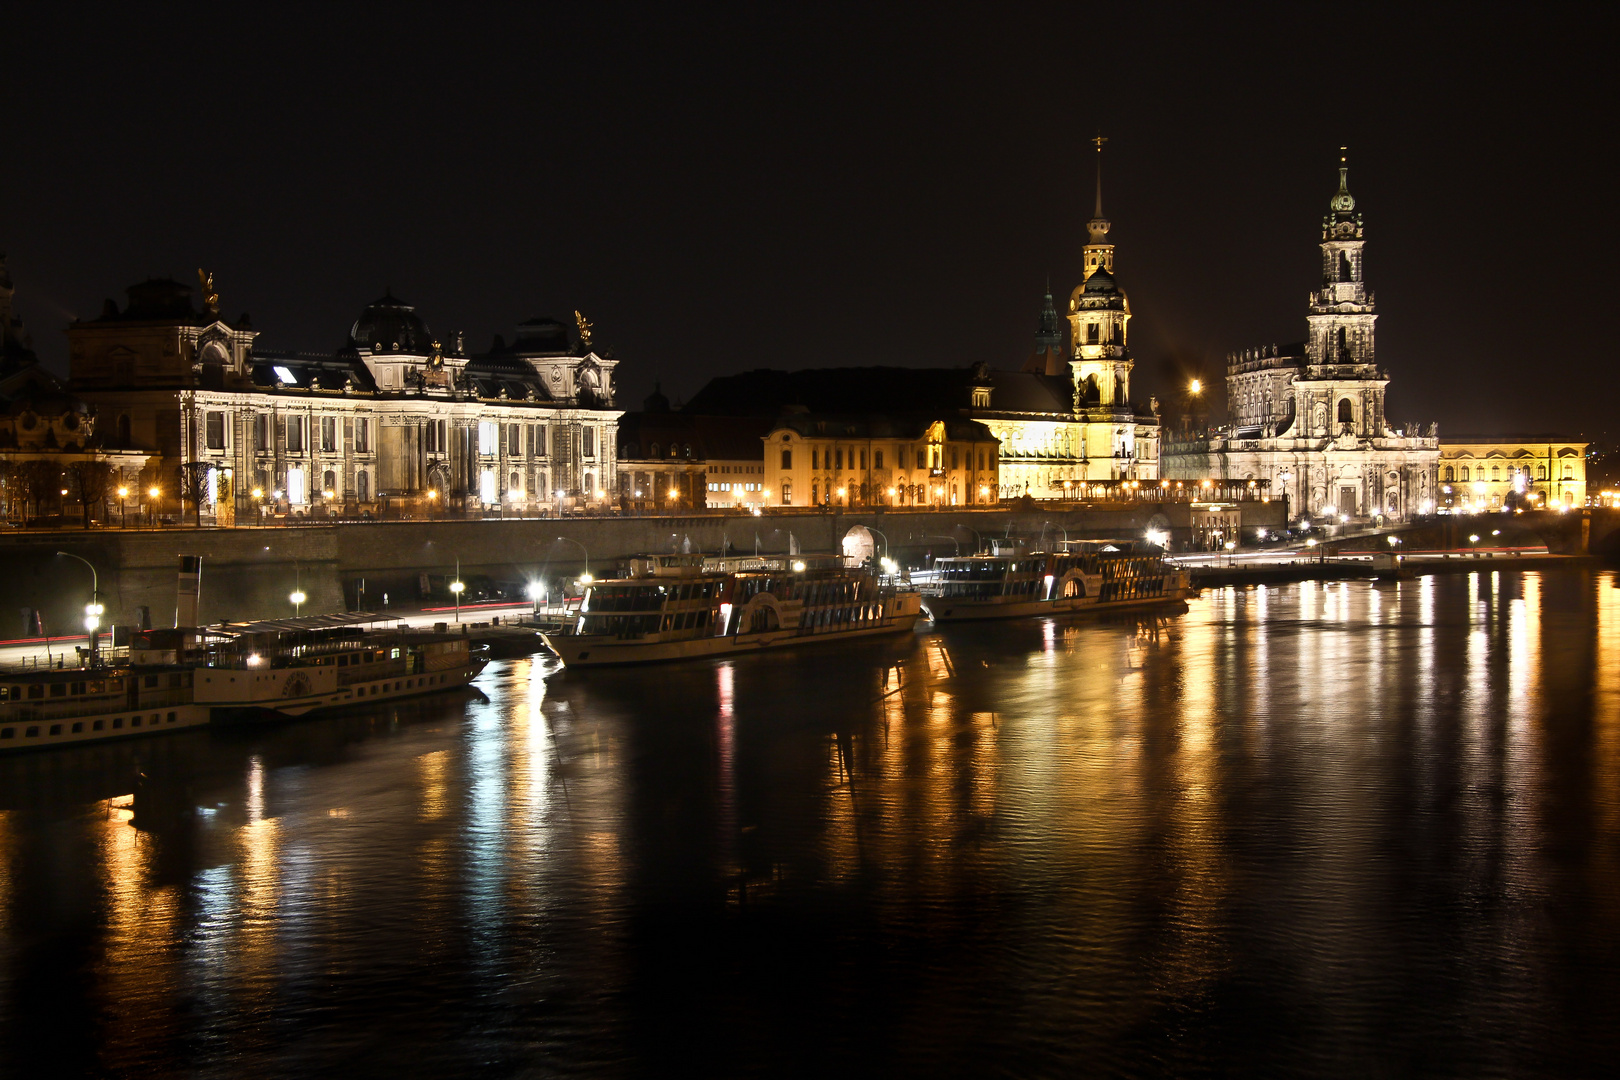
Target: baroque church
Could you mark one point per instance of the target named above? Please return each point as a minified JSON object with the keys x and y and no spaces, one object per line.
{"x":391,"y":420}
{"x":1309,"y":417}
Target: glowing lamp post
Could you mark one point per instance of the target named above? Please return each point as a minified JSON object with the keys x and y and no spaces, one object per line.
{"x":93,"y":610}
{"x":123,"y":519}
{"x":298,"y":596}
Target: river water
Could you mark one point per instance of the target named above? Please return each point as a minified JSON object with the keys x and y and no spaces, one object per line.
{"x":1344,"y":829}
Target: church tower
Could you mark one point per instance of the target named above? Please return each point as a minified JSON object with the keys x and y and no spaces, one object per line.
{"x":1341,"y":317}
{"x":1340,"y":395}
{"x":1048,"y":357}
{"x":1098,"y":313}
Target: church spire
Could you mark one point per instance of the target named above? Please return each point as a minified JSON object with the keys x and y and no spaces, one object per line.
{"x":1098,"y":225}
{"x":1343,"y":223}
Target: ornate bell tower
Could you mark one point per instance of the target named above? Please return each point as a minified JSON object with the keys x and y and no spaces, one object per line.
{"x":1098,"y":314}
{"x":1341,"y":317}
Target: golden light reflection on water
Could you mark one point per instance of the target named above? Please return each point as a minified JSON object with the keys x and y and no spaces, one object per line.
{"x":1118,"y":793}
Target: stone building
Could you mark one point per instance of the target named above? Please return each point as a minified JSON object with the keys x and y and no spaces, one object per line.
{"x":671,"y":461}
{"x":818,"y":459}
{"x":1309,"y":418}
{"x":1497,"y":472}
{"x":1066,"y":419}
{"x":392,"y":421}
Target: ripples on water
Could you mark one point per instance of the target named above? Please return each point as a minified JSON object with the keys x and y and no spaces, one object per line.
{"x":1330,"y":830}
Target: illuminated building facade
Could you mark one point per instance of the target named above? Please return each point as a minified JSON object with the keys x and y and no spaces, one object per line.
{"x":1484,"y":473}
{"x":392,"y":421}
{"x":1309,"y":417}
{"x":814,"y":459}
{"x":1066,"y":418}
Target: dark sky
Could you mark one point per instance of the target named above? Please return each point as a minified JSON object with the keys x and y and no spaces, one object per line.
{"x":722,"y":190}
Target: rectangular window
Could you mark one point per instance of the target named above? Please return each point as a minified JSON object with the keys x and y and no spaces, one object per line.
{"x":261,"y":433}
{"x":489,"y":439}
{"x":589,"y":444}
{"x":839,"y":458}
{"x":877,"y":459}
{"x":486,"y":487}
{"x":216,"y":431}
{"x":787,"y":494}
{"x":362,"y":435}
{"x":295,"y":434}
{"x":815,"y":458}
{"x":787,"y":459}
{"x":295,"y":486}
{"x":922,"y":459}
{"x":540,"y":440}
{"x":863,"y":459}
{"x":514,"y":440}
{"x":954,"y":458}
{"x":981,"y":460}
{"x":815,"y":494}
{"x":329,"y":436}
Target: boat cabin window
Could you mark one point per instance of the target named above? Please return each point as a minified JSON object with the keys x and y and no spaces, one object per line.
{"x":151,"y":680}
{"x":36,"y":691}
{"x":58,"y":689}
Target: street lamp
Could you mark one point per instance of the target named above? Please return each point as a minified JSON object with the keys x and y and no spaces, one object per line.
{"x":297,"y":596}
{"x":93,"y":610}
{"x":586,"y":576}
{"x":123,"y":519}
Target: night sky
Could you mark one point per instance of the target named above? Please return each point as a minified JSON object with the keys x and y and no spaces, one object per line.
{"x":727,"y":190}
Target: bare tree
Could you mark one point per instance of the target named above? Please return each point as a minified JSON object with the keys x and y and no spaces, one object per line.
{"x":38,"y":478}
{"x":8,"y":485}
{"x":192,"y":484}
{"x":90,"y":480}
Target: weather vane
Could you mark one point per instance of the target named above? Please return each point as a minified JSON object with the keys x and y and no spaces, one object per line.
{"x":584,"y":325}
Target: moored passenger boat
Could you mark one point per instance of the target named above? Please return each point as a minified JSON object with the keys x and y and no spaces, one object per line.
{"x":679,"y":607}
{"x":116,"y":700}
{"x":1082,"y":576}
{"x":292,"y":668}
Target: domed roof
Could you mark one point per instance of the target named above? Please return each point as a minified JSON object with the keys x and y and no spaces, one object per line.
{"x":1101,"y":281}
{"x":391,"y":325}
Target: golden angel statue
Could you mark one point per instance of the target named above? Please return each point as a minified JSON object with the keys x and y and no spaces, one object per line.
{"x":210,"y":297}
{"x":584,"y":325}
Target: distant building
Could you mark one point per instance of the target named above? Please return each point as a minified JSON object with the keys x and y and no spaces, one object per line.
{"x":672,"y":461}
{"x":818,"y":459}
{"x":1063,"y":421}
{"x":1308,"y":419}
{"x":392,"y":419}
{"x":51,"y":458}
{"x":1496,"y":472}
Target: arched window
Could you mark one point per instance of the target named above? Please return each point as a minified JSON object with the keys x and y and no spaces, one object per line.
{"x":329,"y":483}
{"x":652,"y":450}
{"x":1451,"y":474}
{"x":1465,"y":474}
{"x":1347,"y":412}
{"x":1092,"y":334}
{"x":1496,"y":472}
{"x":540,"y":484}
{"x":514,"y":483}
{"x":590,"y":485}
{"x":688,"y":449}
{"x":1569,"y":473}
{"x":1541,"y":472}
{"x":1347,"y":270}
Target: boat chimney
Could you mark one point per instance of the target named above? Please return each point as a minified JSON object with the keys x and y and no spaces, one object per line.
{"x":189,"y":591}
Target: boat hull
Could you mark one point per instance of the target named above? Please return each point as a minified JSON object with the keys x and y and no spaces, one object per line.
{"x":601,"y":650}
{"x":392,"y":688}
{"x":943,"y":610}
{"x":24,"y":735}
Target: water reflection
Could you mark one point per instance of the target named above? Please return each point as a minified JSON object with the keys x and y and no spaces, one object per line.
{"x":1338,"y":828}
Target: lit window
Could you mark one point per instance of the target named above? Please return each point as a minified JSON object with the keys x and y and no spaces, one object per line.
{"x":283,"y":374}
